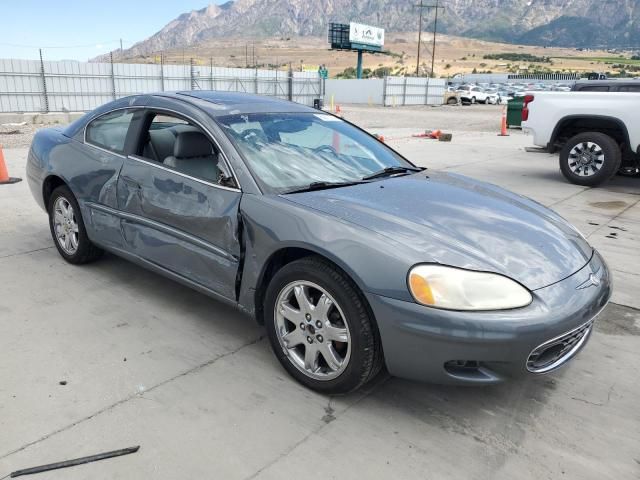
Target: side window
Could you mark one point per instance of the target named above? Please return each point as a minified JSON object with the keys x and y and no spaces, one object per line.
{"x":110,"y":130}
{"x":179,"y":145}
{"x":594,"y":88}
{"x":629,"y":88}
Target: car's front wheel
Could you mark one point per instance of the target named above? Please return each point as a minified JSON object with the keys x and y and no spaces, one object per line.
{"x":67,"y":228}
{"x":590,"y":158}
{"x":320,"y":328}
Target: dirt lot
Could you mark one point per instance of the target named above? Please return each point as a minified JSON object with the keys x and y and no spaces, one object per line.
{"x":107,"y":356}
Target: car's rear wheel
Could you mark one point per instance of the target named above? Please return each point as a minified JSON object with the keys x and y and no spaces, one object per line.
{"x":320,"y":328}
{"x":473,"y":100}
{"x":590,"y":158}
{"x":67,"y":228}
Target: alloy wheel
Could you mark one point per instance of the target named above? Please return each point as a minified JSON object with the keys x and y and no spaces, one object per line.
{"x":586,"y":159}
{"x":312,"y":331}
{"x":65,"y":226}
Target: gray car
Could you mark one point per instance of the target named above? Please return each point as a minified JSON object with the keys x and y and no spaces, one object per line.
{"x":351,"y":256}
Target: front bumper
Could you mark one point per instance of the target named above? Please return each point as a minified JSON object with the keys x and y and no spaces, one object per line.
{"x":426,"y":344}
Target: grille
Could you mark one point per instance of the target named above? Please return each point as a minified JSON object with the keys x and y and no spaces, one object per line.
{"x":556,"y":352}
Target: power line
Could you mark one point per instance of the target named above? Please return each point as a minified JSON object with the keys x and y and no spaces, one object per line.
{"x":437,"y":7}
{"x":88,"y":45}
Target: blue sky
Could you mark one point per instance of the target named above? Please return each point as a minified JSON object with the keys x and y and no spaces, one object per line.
{"x":85,"y":28}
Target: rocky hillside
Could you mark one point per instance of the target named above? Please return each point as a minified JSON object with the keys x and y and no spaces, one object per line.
{"x":573,"y":23}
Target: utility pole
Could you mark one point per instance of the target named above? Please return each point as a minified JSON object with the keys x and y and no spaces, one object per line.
{"x":121,"y":50}
{"x":433,"y":52}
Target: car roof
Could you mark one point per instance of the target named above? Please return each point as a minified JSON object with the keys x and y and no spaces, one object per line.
{"x":609,"y":82}
{"x":218,"y":103}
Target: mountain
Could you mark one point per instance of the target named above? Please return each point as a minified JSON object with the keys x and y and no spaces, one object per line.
{"x":570,"y":23}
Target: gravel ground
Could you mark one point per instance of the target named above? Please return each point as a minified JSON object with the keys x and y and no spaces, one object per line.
{"x":18,"y":136}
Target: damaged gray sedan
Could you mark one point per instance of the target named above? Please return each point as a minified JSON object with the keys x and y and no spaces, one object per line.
{"x":351,"y":256}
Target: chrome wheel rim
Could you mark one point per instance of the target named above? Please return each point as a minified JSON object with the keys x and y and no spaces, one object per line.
{"x":65,"y":226}
{"x":312,"y":330}
{"x":586,"y":159}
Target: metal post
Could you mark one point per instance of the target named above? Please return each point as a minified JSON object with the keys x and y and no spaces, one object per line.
{"x":290,"y":83}
{"x":404,"y":92}
{"x":255,"y":81}
{"x":191,"y":74}
{"x":384,"y":91}
{"x":44,"y":85}
{"x":211,"y":73}
{"x":359,"y":67}
{"x":426,"y":93}
{"x":113,"y":77}
{"x":162,"y":72}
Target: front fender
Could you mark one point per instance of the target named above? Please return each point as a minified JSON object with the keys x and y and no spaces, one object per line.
{"x":374,"y":262}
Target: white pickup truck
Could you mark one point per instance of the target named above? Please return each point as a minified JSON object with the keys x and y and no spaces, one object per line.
{"x":597,"y":133}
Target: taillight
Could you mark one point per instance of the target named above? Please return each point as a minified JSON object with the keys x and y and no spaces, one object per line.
{"x":525,"y":107}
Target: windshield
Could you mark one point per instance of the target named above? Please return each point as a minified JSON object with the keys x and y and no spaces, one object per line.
{"x":289,"y":151}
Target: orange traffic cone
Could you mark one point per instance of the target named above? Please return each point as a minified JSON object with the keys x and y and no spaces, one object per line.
{"x":338,"y":111}
{"x":4,"y":174}
{"x":503,"y":126}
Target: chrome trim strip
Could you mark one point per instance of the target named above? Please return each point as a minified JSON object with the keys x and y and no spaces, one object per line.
{"x":164,"y":109}
{"x":170,"y":170}
{"x":207,"y":132}
{"x":163,"y":228}
{"x":84,"y":130}
{"x":104,"y":150}
{"x":574,"y":350}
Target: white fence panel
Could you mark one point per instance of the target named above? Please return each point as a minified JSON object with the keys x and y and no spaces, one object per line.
{"x":20,"y":86}
{"x":414,"y":91}
{"x":354,"y":91}
{"x":32,"y":86}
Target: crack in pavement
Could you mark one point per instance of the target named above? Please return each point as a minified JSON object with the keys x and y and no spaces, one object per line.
{"x":316,"y":430}
{"x":26,"y":253}
{"x":195,"y":369}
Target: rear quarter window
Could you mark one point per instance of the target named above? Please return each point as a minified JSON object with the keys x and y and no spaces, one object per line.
{"x":594,"y":88}
{"x":629,"y":88}
{"x":109,"y":131}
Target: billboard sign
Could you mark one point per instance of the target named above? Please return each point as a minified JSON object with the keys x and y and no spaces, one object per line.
{"x":366,"y":35}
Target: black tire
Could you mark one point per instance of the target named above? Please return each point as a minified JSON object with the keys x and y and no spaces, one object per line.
{"x":366,"y":358}
{"x":452,"y":101}
{"x":608,"y":166}
{"x":86,"y":251}
{"x":473,"y":100}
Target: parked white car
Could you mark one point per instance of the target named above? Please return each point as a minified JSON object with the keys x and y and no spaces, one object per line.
{"x":597,"y":133}
{"x":472,"y":94}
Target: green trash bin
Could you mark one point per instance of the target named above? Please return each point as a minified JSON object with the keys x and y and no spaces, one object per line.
{"x":514,"y":112}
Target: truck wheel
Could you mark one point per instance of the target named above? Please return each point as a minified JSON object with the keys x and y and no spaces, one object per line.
{"x":590,"y":158}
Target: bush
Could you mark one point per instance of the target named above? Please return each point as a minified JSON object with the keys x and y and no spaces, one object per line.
{"x":517,"y":57}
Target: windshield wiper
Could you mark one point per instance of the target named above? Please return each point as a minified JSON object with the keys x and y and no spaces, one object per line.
{"x":323,"y":186}
{"x":391,"y":171}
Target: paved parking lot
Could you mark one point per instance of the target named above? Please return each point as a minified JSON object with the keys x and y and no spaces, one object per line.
{"x":146,"y":361}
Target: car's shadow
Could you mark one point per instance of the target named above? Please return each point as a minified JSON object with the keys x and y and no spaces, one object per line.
{"x":451,"y":408}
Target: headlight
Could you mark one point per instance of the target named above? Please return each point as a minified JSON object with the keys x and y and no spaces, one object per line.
{"x":457,"y":289}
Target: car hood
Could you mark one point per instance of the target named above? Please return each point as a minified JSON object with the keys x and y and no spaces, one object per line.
{"x":453,"y":220}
